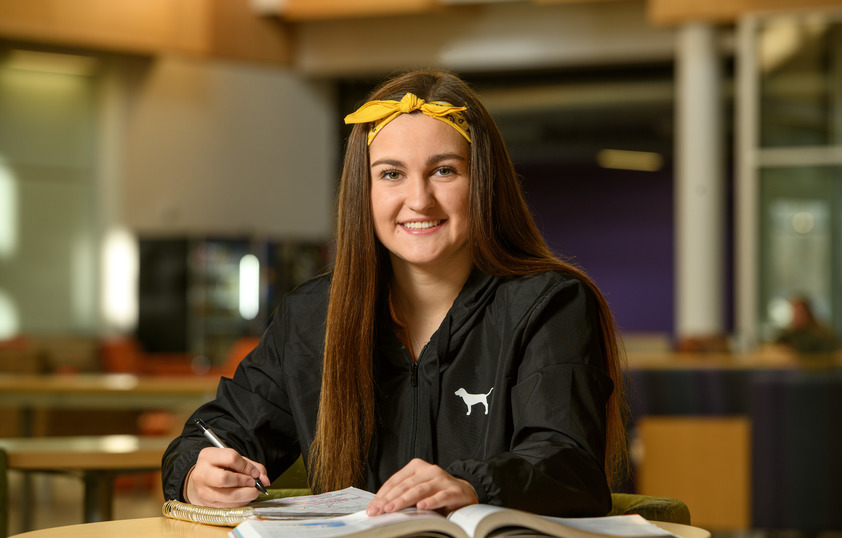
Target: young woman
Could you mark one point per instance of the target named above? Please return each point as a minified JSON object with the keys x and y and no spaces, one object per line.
{"x":448,"y":358}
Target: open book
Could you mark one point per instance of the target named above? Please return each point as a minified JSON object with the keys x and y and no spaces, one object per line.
{"x":335,"y":503}
{"x":475,"y":521}
{"x":342,"y":514}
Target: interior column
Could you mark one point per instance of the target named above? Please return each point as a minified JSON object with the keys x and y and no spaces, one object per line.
{"x":699,"y":185}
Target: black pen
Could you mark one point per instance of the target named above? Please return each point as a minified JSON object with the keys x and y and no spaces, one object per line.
{"x":217,"y":442}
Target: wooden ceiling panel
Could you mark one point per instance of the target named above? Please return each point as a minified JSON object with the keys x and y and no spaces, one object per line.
{"x":673,"y":12}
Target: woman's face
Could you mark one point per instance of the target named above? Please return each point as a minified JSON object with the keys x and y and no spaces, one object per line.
{"x":419,"y":191}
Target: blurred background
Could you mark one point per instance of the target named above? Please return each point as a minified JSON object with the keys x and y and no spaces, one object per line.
{"x":168,"y":170}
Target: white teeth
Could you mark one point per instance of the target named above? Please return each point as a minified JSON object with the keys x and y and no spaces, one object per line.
{"x":421,"y":225}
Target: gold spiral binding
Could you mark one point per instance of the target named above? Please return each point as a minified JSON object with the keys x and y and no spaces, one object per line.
{"x":221,"y":517}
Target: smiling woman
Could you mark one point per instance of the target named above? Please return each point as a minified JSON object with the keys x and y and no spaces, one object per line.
{"x":419,"y":195}
{"x":443,"y":295}
{"x":419,"y":199}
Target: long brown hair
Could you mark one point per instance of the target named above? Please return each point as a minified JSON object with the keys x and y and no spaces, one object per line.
{"x":504,"y":241}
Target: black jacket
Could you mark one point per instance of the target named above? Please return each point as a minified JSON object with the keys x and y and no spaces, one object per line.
{"x":527,"y":347}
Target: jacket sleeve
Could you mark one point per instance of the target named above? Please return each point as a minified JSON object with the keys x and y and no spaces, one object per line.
{"x":555,"y":464}
{"x":249,"y":410}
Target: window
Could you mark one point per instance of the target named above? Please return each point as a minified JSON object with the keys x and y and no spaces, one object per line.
{"x":790,"y":174}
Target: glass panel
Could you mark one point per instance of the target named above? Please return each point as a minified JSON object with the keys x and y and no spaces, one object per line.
{"x":48,"y":254}
{"x":800,"y":62}
{"x":797,"y":256}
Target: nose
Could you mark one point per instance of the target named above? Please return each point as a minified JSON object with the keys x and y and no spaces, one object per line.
{"x":420,"y":194}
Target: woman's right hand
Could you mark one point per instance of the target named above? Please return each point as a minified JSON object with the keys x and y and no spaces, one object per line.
{"x":223,"y":478}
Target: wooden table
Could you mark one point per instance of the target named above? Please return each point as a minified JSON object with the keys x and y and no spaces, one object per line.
{"x":152,"y":527}
{"x":98,"y":459}
{"x":106,"y":391}
{"x":29,"y":392}
{"x":160,"y":527}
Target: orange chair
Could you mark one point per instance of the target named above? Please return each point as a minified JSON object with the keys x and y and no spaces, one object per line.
{"x":238,"y":351}
{"x":126,"y":356}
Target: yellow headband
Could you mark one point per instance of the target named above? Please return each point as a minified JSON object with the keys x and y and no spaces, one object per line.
{"x":379,"y":113}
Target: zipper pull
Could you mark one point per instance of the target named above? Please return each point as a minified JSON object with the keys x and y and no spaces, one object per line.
{"x":413,"y":374}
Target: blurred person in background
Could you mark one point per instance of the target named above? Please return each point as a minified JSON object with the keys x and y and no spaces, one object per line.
{"x":805,"y":333}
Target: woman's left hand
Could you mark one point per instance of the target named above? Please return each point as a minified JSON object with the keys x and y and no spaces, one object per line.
{"x":425,"y":486}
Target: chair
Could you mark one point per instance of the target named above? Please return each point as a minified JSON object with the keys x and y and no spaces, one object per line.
{"x":4,"y":496}
{"x":293,"y":482}
{"x":650,"y":507}
{"x":239,"y":349}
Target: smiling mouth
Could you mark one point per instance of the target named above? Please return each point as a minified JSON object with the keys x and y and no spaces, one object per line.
{"x":421,"y":225}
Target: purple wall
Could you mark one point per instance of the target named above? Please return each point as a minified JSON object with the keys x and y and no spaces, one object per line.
{"x":618,"y":226}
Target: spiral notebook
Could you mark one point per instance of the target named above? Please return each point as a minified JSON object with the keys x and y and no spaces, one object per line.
{"x":332,"y":504}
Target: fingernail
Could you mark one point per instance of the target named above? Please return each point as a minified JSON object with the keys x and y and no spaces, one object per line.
{"x":373,"y":510}
{"x":390,"y":507}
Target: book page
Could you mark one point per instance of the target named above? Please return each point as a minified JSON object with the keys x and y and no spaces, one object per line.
{"x":480,"y":520}
{"x":624,"y":526}
{"x":404,"y":523}
{"x":334,"y":503}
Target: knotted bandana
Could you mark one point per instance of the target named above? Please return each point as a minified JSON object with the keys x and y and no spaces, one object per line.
{"x":379,"y":113}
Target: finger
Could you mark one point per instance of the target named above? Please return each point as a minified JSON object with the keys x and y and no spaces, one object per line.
{"x":406,"y":487}
{"x":218,"y":480}
{"x":215,"y":486}
{"x":203,"y":490}
{"x":262,"y":475}
{"x":222,"y":477}
{"x":438,"y":491}
{"x":457,"y":494}
{"x":412,"y":495}
{"x":405,"y":473}
{"x":228,"y":497}
{"x":230,"y":459}
{"x":235,"y":462}
{"x":394,"y":486}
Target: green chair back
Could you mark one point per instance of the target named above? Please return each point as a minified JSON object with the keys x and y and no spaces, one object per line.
{"x":293,"y":483}
{"x":650,"y":507}
{"x":4,"y":494}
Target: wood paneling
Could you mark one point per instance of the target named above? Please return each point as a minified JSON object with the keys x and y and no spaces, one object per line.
{"x":671,"y":12}
{"x":704,"y":461}
{"x":299,"y":10}
{"x":573,"y":1}
{"x":225,"y":28}
{"x":129,"y":25}
{"x":237,"y":32}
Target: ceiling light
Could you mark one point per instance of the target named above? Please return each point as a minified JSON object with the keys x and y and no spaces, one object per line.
{"x":51,"y":62}
{"x":645,"y":161}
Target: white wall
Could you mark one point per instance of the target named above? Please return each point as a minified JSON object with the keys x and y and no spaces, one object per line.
{"x":496,"y":36}
{"x":226,"y":148}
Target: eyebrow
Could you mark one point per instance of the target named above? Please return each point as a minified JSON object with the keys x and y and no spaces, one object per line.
{"x":432,"y":160}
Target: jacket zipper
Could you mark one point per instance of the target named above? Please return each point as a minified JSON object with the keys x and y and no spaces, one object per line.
{"x":413,"y":374}
{"x":413,"y":380}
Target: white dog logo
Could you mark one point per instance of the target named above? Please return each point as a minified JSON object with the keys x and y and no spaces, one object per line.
{"x":473,"y":399}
